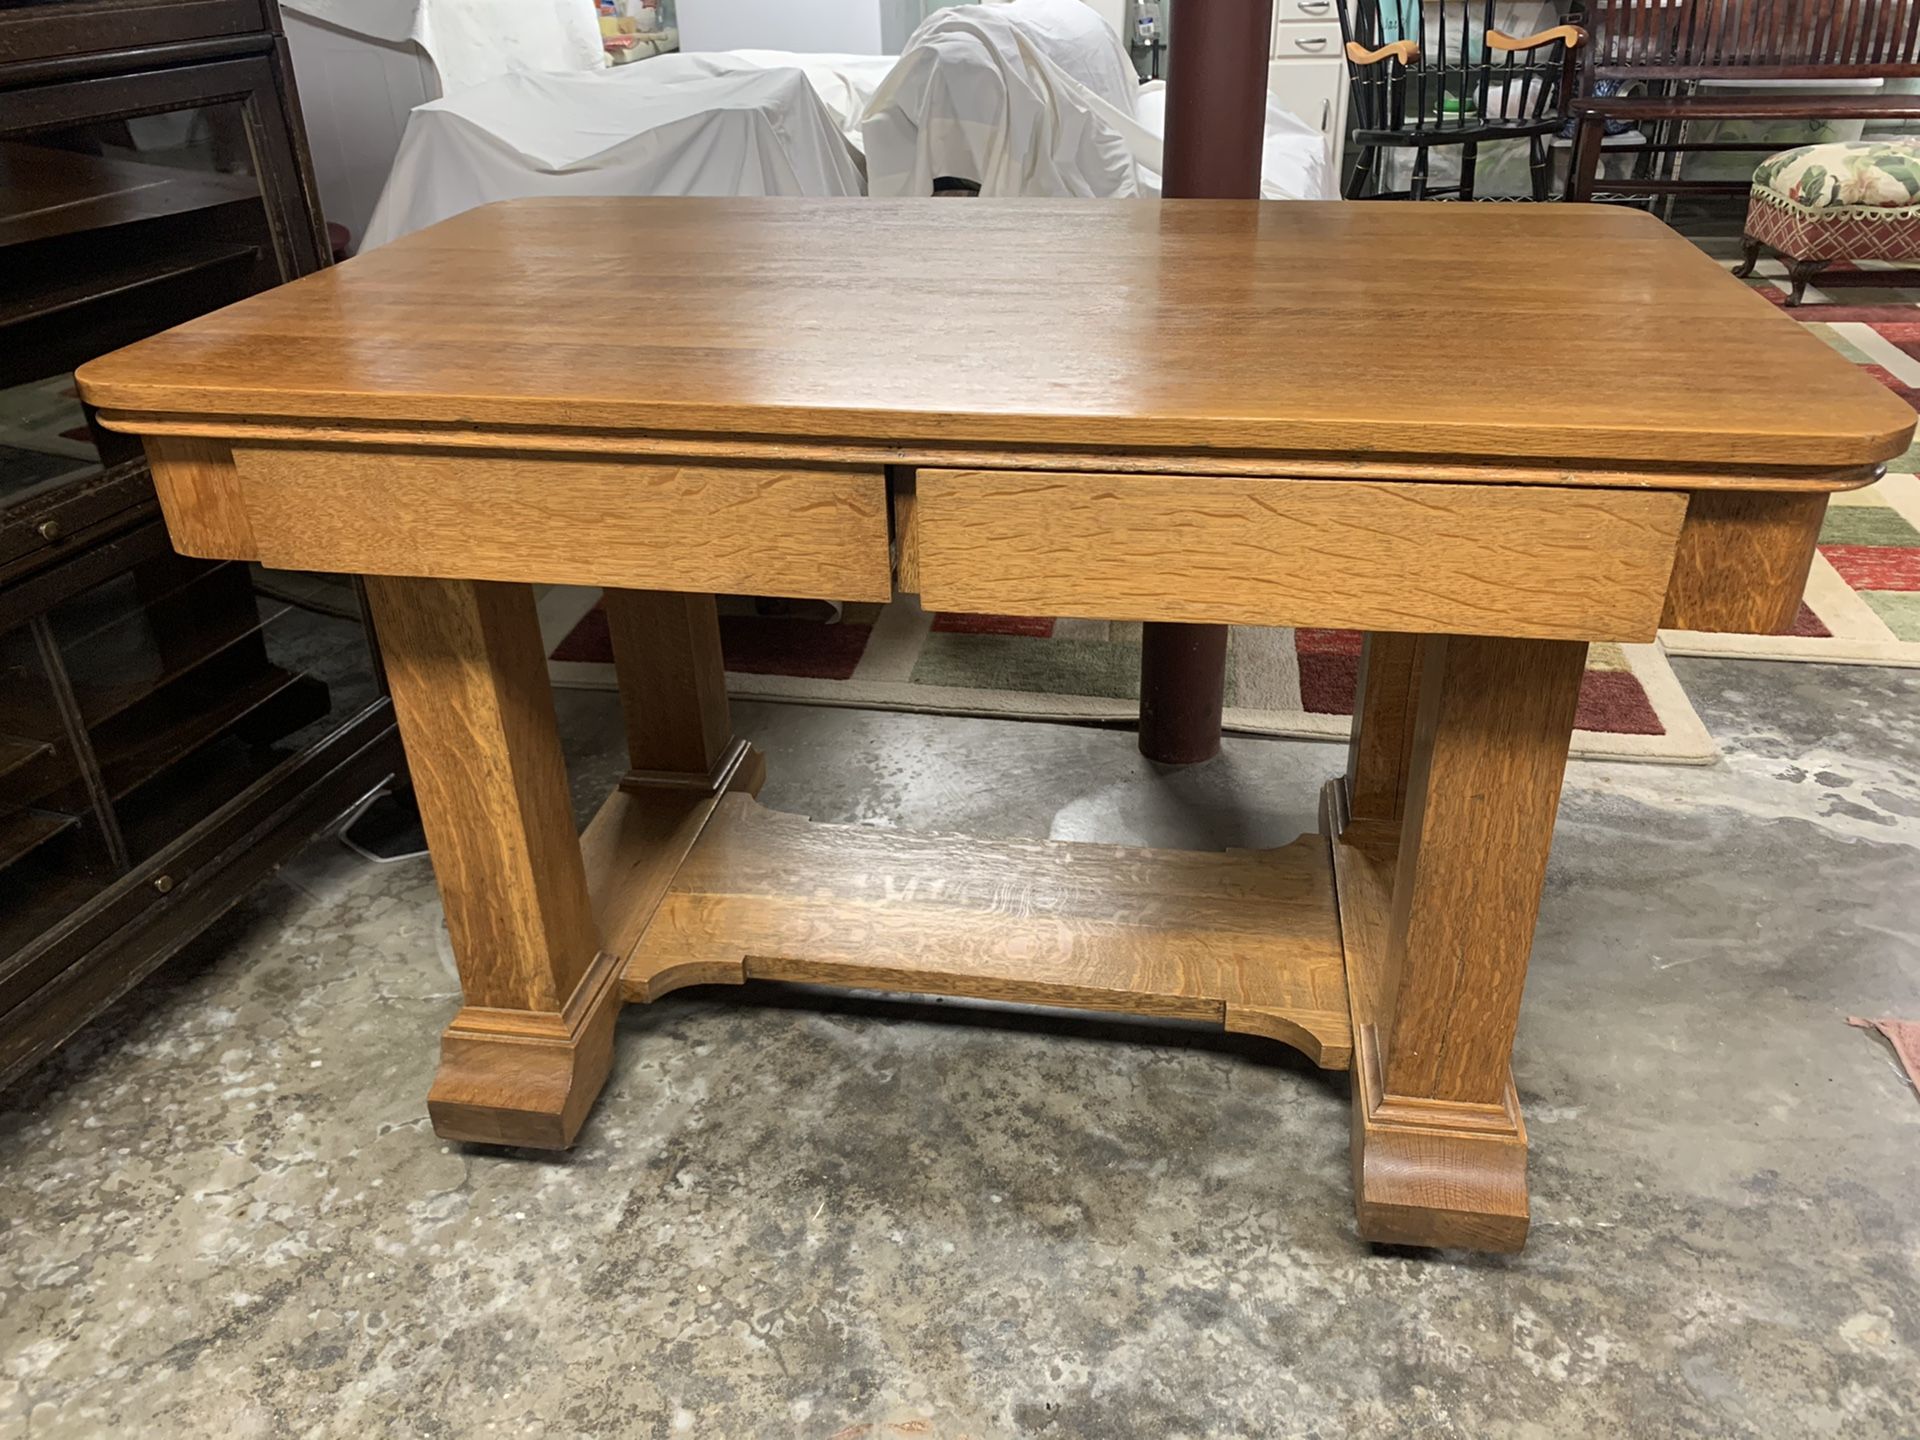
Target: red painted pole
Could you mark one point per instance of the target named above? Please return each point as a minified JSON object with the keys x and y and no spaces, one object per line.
{"x":1216,"y":127}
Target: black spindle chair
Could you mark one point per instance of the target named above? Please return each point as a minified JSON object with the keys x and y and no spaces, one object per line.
{"x":1448,"y":77}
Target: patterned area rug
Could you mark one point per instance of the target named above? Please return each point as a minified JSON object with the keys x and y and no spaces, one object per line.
{"x":1296,"y":683}
{"x":1863,"y":598}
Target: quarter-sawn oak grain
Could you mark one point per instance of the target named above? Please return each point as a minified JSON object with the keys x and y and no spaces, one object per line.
{"x":1489,"y":330}
{"x":1411,"y":419}
{"x":1500,"y":560}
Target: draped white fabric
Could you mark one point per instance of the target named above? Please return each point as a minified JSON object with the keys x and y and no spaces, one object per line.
{"x":473,"y":41}
{"x":1029,"y":97}
{"x":757,"y":132}
{"x":1017,"y":98}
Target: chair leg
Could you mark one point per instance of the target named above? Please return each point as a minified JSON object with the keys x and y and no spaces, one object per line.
{"x":1750,"y":248}
{"x":1418,"y":189}
{"x":1469,"y":158}
{"x":1362,"y":174}
{"x":1800,"y":272}
{"x":1537,"y":162}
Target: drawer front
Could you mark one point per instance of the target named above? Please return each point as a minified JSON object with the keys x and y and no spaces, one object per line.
{"x":1520,"y":560}
{"x":1304,"y":12}
{"x":1308,"y":42}
{"x":569,"y":520}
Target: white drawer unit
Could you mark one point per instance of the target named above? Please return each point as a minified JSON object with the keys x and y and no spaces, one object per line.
{"x":1308,"y":75}
{"x":1307,"y":42}
{"x":1306,"y":12}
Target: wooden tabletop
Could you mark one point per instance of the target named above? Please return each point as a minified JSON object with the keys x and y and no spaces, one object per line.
{"x":1544,"y":332}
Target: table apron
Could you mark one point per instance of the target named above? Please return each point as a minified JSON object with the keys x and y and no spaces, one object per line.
{"x":1370,"y":553}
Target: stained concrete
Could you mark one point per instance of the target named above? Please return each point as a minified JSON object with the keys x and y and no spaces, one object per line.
{"x":805,"y":1216}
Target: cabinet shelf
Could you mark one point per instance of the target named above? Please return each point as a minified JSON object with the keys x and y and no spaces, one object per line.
{"x":25,"y":831}
{"x":17,"y":752}
{"x":179,"y":727}
{"x":53,"y":192}
{"x":100,"y":704}
{"x":37,"y":302}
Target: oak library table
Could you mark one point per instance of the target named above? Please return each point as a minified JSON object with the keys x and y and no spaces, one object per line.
{"x":1485,"y":435}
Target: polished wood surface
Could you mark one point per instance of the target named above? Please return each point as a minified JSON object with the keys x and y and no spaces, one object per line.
{"x":1247,"y":939}
{"x":1568,"y":34}
{"x":879,"y":450}
{"x":1404,"y":52}
{"x":1512,"y":560}
{"x":1152,"y":412}
{"x":1203,"y":325}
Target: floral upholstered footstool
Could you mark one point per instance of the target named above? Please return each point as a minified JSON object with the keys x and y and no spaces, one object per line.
{"x":1851,"y":200}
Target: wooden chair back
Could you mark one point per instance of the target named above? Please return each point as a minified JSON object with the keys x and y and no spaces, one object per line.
{"x":1753,"y":39}
{"x":1429,"y":67}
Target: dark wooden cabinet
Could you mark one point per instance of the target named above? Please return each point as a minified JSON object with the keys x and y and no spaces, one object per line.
{"x":170,"y":729}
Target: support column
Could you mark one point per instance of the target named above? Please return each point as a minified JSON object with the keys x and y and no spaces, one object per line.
{"x":523,"y":1060}
{"x":1216,"y":129}
{"x":1386,"y":707}
{"x":1439,"y":1146}
{"x":673,"y":694}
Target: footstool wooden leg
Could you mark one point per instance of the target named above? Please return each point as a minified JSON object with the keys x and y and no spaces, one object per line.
{"x":1439,"y":1146}
{"x":523,"y":1060}
{"x":1801,"y":272}
{"x":1750,"y":249}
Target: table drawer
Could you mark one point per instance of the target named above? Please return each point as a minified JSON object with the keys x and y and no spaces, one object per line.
{"x":568,"y":519}
{"x":1304,"y":12}
{"x":1312,"y":42}
{"x":1521,"y":560}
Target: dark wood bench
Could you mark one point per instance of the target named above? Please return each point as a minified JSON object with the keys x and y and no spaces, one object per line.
{"x":1669,"y":46}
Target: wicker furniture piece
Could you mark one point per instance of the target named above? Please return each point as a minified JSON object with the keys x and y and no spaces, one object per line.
{"x":1814,"y":205}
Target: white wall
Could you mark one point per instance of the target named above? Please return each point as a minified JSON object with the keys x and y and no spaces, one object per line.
{"x":846,"y":27}
{"x":840,"y":27}
{"x":1115,"y":13}
{"x":355,"y":93}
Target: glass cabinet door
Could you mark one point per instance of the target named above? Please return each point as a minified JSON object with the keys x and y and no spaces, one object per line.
{"x":128,"y":204}
{"x":110,"y":230}
{"x":145,"y":690}
{"x":57,"y":849}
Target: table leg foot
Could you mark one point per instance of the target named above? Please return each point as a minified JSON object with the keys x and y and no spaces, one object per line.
{"x":1433,"y":1173}
{"x":511,"y":1077}
{"x":1441,"y":833}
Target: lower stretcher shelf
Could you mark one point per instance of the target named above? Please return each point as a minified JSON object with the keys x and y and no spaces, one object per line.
{"x":1250,"y":939}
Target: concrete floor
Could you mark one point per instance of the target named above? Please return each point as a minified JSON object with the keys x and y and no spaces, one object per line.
{"x":225,"y":1214}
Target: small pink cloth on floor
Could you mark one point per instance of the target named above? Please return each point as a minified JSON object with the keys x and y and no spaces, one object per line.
{"x":1904,"y":1036}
